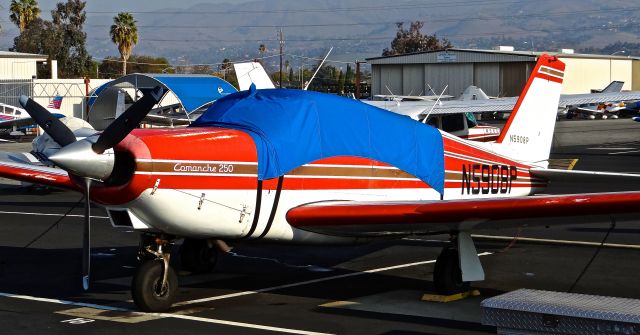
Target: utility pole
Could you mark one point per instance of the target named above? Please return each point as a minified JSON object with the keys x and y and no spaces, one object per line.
{"x":281,"y":38}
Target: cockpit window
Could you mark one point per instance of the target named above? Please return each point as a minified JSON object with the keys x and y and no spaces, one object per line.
{"x":18,"y":112}
{"x":471,"y":120}
{"x":452,"y":122}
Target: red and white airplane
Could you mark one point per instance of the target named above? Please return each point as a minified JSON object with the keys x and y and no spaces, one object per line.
{"x":279,"y":165}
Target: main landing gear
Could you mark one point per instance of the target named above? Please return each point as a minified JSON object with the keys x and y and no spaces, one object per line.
{"x":447,"y":276}
{"x":154,"y":284}
{"x":457,"y":266}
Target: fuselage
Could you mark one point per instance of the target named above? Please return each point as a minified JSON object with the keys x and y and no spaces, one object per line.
{"x":203,"y":182}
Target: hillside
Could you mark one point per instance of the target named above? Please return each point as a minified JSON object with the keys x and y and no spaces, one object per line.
{"x":192,"y":32}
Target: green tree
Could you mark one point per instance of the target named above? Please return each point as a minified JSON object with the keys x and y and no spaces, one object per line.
{"x":412,"y":40}
{"x":290,"y":75}
{"x":124,"y":33}
{"x":348,"y":76}
{"x":23,"y":12}
{"x":112,"y":66}
{"x":228,"y":73}
{"x":68,"y":20}
{"x":340,"y":82}
{"x":40,"y":37}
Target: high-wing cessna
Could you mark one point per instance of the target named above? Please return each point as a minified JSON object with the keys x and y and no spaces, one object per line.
{"x":302,"y":167}
{"x":566,"y":102}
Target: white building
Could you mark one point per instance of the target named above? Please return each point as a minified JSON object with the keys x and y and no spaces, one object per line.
{"x":18,"y":65}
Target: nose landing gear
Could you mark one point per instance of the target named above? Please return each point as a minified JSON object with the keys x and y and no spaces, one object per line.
{"x":155,"y":284}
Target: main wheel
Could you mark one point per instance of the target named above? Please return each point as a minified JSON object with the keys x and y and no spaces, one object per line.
{"x":197,"y":257}
{"x":447,"y":276}
{"x":147,"y":290}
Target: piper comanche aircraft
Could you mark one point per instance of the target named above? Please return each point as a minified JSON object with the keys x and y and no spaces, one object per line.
{"x":302,"y":167}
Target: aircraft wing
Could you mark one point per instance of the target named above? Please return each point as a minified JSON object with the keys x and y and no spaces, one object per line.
{"x":474,"y":106}
{"x":21,"y":122}
{"x":507,"y":104}
{"x":413,"y":97}
{"x":409,"y":108}
{"x":26,"y":121}
{"x":365,"y":219}
{"x":591,"y":98}
{"x":25,"y":167}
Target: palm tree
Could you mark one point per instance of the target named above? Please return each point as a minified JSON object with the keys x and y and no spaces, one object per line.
{"x":23,"y":12}
{"x":124,"y":33}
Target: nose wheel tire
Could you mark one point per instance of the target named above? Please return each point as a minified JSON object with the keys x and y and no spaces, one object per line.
{"x":147,"y":290}
{"x":447,"y":276}
{"x":196,"y":256}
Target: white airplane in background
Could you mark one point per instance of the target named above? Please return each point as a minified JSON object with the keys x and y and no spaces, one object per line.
{"x":507,"y":104}
{"x":16,"y":119}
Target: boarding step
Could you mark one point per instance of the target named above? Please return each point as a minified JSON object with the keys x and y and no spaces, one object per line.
{"x":528,"y":312}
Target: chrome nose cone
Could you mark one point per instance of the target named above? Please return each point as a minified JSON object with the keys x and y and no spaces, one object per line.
{"x":80,"y":159}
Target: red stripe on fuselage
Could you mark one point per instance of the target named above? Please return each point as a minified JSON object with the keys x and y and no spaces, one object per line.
{"x":205,"y":145}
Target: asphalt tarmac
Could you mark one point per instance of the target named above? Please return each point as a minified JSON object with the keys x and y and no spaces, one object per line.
{"x":268,"y":289}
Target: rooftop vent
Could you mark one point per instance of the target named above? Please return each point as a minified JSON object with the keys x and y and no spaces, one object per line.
{"x":504,"y":48}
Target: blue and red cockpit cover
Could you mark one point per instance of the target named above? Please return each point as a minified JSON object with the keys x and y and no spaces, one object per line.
{"x":294,"y":127}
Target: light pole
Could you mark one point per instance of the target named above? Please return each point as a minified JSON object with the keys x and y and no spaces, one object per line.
{"x":610,"y":61}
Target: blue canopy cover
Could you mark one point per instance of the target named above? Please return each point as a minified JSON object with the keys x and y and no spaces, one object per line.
{"x":294,"y":127}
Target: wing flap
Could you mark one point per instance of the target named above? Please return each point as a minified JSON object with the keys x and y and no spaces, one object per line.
{"x":19,"y":166}
{"x":430,"y":217}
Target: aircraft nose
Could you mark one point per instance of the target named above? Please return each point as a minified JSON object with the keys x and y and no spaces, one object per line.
{"x":79,"y":159}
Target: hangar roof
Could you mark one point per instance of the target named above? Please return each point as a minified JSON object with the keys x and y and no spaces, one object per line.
{"x":460,"y":55}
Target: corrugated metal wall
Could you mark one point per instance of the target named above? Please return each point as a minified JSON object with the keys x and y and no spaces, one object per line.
{"x":513,"y":77}
{"x":391,"y":79}
{"x":498,"y":74}
{"x":413,"y":80}
{"x":458,"y":76}
{"x":487,"y":77}
{"x":410,"y":74}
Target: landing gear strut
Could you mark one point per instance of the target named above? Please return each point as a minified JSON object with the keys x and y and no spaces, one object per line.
{"x":447,"y":276}
{"x":154,"y":284}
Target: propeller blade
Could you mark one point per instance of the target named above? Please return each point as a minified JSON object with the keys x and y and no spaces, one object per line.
{"x":51,"y":125}
{"x":128,"y":121}
{"x":86,"y":237}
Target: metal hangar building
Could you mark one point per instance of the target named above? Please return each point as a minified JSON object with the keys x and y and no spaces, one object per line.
{"x":501,"y":72}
